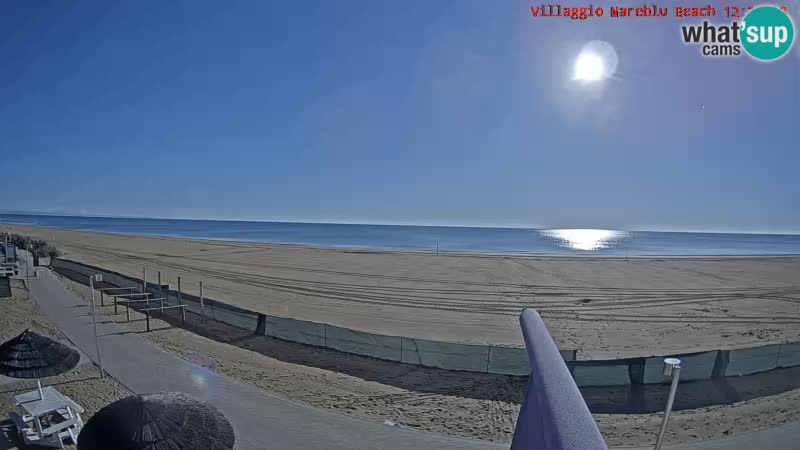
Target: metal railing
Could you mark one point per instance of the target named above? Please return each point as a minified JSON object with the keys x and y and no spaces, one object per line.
{"x":554,"y":415}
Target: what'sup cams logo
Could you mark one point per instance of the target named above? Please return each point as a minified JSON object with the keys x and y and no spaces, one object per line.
{"x":765,"y":33}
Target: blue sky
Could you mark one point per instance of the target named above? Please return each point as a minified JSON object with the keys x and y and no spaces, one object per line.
{"x":419,"y":112}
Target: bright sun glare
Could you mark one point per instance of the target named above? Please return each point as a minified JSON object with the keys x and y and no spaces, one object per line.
{"x":589,"y":67}
{"x":596,"y":61}
{"x":589,"y":240}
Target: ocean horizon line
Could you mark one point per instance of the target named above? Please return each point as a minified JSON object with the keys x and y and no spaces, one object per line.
{"x":394,"y":236}
{"x":416,"y":225}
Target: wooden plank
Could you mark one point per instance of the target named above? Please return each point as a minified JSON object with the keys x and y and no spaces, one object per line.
{"x":147,"y":313}
{"x":139,"y":294}
{"x":141,"y":301}
{"x":166,"y":307}
{"x":59,"y":426}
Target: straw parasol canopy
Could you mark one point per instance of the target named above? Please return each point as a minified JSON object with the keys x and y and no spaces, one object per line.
{"x":163,"y":421}
{"x":31,"y":355}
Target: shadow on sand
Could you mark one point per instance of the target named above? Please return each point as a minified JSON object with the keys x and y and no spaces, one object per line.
{"x":5,"y":287}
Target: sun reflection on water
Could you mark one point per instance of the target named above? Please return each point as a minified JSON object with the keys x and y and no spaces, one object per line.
{"x":587,"y":239}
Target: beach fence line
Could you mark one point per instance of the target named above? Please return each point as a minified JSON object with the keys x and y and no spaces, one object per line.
{"x":455,"y":356}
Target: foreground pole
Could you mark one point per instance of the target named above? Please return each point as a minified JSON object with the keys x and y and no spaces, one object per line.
{"x":92,"y":278}
{"x":554,"y":415}
{"x":180,"y":302}
{"x":28,"y":265}
{"x":672,"y":366}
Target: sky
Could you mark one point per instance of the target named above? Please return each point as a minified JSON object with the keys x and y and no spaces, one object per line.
{"x":416,"y":112}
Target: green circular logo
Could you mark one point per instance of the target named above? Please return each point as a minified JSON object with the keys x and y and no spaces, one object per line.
{"x":767,"y":33}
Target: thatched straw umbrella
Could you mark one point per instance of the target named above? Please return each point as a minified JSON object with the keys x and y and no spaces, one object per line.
{"x":31,"y":355}
{"x":163,"y":421}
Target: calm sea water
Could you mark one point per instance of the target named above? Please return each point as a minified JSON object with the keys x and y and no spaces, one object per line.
{"x":426,"y":237}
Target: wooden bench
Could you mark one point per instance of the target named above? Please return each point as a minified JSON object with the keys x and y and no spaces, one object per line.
{"x":53,"y":435}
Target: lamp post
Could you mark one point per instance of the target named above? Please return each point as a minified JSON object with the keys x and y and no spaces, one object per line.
{"x":672,"y":367}
{"x":92,"y":278}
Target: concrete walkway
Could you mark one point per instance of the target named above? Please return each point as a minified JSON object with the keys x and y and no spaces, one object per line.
{"x":260,"y":420}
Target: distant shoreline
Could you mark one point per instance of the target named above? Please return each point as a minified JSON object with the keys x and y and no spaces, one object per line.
{"x":403,"y":250}
{"x":299,"y":222}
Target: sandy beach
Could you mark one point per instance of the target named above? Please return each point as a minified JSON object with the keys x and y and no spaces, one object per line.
{"x":604,"y":307}
{"x":475,"y":405}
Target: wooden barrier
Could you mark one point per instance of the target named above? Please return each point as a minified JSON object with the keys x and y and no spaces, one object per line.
{"x":146,"y":301}
{"x":162,"y":308}
{"x":103,"y":290}
{"x":116,"y":297}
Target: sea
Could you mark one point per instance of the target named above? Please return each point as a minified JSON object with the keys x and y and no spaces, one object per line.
{"x":441,"y":238}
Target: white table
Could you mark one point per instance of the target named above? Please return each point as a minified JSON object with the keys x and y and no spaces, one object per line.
{"x":32,"y":408}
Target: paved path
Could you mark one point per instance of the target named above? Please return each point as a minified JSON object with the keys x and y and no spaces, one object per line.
{"x":260,"y":420}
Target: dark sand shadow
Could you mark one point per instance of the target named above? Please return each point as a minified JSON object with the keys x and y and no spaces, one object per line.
{"x":5,"y":287}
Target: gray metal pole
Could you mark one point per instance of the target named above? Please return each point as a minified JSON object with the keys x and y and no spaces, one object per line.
{"x":94,"y":322}
{"x":144,"y":279}
{"x":672,"y":366}
{"x":28,"y":265}
{"x":202,"y":304}
{"x":180,"y":302}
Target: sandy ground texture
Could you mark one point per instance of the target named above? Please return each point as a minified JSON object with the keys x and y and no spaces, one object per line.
{"x":604,"y":307}
{"x":82,"y":384}
{"x":468,"y":404}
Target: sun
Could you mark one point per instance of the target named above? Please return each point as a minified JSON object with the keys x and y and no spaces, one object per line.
{"x":596,"y":61}
{"x":589,"y":67}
